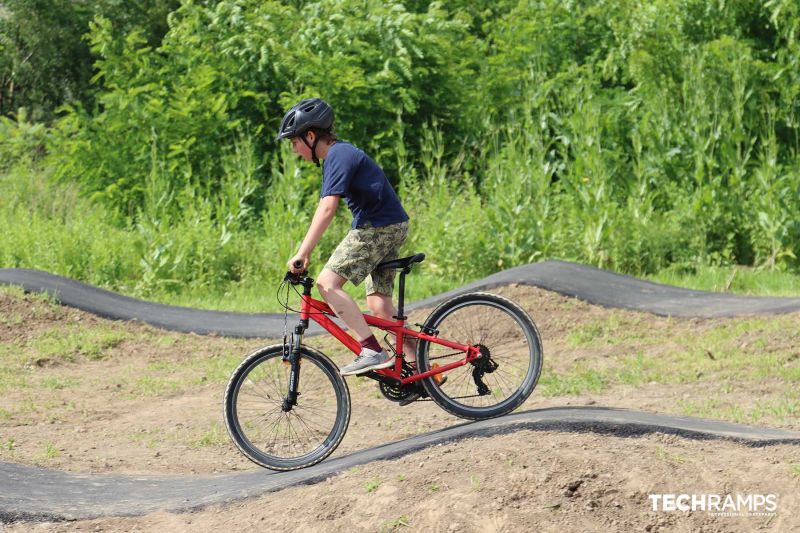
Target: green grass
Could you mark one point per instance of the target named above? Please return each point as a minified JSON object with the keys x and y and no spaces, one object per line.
{"x":612,"y":330}
{"x":594,"y":179}
{"x":57,"y":345}
{"x":50,"y":451}
{"x":732,"y":279}
{"x":784,"y":408}
{"x":65,"y":342}
{"x":214,"y":435}
{"x":728,"y":353}
{"x":665,"y":456}
{"x":156,"y":385}
{"x":372,"y":485}
{"x":19,"y":292}
{"x":714,"y":407}
{"x":579,"y":380}
{"x":58,"y":383}
{"x":637,"y":370}
{"x":12,"y":377}
{"x":395,"y":524}
{"x":217,"y":368}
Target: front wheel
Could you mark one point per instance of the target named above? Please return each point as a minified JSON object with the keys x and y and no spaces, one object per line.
{"x":269,"y":433}
{"x":506,"y":373}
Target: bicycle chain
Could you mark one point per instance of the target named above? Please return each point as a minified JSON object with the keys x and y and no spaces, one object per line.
{"x":444,"y":356}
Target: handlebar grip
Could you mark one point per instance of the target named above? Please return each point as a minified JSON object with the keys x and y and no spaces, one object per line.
{"x":298,"y":264}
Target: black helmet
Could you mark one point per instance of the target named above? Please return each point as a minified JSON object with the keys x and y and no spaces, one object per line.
{"x":310,"y":113}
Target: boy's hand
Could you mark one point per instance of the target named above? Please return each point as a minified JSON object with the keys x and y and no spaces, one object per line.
{"x":297,"y":260}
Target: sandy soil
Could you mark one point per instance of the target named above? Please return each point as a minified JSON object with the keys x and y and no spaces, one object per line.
{"x":151,"y":402}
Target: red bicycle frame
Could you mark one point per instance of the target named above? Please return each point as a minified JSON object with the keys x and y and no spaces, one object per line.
{"x":318,"y":311}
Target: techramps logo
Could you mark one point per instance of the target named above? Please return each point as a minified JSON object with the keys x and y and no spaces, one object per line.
{"x":717,"y":504}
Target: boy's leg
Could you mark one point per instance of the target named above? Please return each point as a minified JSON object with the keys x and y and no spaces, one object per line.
{"x":382,"y":306}
{"x":330,"y":286}
{"x":353,"y":260}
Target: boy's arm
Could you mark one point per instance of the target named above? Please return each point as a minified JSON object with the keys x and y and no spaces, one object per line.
{"x":322,"y":219}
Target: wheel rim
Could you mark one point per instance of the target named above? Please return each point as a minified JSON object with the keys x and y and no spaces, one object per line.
{"x":273,"y":433}
{"x":498,"y":332}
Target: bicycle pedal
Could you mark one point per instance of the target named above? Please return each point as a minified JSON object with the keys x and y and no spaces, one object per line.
{"x":408,"y":401}
{"x":413,"y":397}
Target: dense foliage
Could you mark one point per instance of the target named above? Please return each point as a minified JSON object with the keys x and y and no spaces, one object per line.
{"x":629,"y":134}
{"x":45,"y":62}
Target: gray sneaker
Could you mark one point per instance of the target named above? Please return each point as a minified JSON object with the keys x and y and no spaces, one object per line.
{"x":368,"y":360}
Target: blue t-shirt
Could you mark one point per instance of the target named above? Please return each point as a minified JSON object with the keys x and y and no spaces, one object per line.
{"x":350,"y":173}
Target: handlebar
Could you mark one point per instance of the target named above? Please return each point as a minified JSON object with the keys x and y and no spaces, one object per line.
{"x":296,"y":279}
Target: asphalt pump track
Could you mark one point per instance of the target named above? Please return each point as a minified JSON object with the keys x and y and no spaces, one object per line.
{"x":586,"y":283}
{"x":28,"y":493}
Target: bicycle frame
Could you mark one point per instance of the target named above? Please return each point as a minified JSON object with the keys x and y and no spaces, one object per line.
{"x":315,"y":310}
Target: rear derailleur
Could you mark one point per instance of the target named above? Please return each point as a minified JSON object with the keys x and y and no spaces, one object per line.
{"x":481,"y":366}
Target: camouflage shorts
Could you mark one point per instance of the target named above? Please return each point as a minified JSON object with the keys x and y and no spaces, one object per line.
{"x":362,"y":249}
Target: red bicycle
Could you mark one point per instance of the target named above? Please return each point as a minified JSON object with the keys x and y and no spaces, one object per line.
{"x":287,"y":407}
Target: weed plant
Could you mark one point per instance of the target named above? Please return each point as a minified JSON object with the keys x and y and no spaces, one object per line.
{"x":663,"y":143}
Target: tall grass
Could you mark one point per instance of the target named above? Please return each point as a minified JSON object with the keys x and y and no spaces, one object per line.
{"x":684,"y":167}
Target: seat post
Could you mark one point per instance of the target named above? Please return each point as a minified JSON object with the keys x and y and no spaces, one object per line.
{"x":401,"y":297}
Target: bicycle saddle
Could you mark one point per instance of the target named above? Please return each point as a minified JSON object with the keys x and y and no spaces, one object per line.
{"x":403,"y":262}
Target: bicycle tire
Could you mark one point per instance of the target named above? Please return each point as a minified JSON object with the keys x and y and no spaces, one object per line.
{"x":262,"y":380}
{"x":509,"y":336}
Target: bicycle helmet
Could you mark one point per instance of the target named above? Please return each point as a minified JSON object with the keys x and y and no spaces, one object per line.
{"x":310,"y":113}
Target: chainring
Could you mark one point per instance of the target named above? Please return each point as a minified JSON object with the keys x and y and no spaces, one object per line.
{"x":401,"y":392}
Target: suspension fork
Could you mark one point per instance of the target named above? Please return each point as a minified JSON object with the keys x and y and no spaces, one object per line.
{"x":294,"y":353}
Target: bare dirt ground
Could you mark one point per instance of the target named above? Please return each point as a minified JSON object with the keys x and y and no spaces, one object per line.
{"x":132,"y":399}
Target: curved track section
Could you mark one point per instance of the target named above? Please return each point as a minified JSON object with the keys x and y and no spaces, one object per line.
{"x":37,"y":494}
{"x":586,"y":283}
{"x":115,"y":306}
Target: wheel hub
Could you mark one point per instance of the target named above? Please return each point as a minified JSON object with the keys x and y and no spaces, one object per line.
{"x":484,"y":364}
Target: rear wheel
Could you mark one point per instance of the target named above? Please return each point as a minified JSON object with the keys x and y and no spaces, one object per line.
{"x":506,"y":374}
{"x":262,"y":426}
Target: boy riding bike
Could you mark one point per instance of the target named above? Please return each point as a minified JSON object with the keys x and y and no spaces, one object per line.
{"x":286,"y":406}
{"x":380,"y":226}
